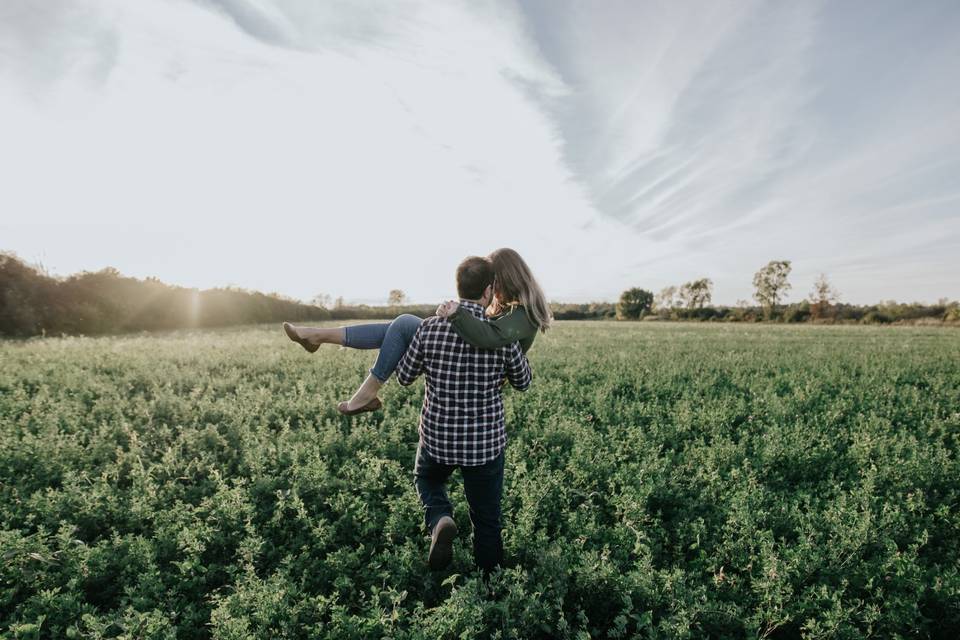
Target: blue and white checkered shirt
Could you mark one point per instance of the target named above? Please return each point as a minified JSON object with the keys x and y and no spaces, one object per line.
{"x":461,"y":422}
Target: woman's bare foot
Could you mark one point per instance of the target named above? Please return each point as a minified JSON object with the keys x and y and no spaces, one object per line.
{"x":365,"y":399}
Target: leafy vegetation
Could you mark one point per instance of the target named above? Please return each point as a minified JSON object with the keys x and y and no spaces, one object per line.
{"x":662,"y":480}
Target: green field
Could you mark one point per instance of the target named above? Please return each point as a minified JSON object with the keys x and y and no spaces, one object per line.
{"x":662,"y":480}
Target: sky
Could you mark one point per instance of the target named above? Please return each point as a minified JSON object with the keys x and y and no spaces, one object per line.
{"x":350,"y":148}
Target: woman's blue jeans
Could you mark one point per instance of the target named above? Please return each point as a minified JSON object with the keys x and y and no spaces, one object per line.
{"x":392,"y":338}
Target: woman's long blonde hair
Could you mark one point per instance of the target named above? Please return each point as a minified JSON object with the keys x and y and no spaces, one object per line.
{"x":514,"y":284}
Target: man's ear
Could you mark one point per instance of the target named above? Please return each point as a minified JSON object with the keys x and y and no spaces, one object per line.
{"x":488,"y":293}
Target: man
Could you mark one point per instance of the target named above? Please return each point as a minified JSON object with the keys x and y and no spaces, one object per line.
{"x":462,"y":421}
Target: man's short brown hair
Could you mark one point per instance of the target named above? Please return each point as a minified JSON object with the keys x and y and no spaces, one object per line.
{"x":473,"y":276}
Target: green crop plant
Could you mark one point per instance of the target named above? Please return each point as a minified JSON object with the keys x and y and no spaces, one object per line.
{"x":662,"y":480}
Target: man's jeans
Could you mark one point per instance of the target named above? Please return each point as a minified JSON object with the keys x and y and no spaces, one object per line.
{"x":483,"y":486}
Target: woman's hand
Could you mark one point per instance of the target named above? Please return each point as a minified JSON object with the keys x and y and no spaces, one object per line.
{"x":448,"y":308}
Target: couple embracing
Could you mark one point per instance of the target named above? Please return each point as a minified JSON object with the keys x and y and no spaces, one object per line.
{"x":466,"y":353}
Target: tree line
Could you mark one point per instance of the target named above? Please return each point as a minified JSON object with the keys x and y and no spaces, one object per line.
{"x":34,"y":303}
{"x":90,"y":303}
{"x":691,"y":301}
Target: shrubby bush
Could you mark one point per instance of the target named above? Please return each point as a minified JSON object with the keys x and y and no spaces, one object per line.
{"x":799,"y":312}
{"x":876,"y":316}
{"x":368,"y":312}
{"x":587,"y":311}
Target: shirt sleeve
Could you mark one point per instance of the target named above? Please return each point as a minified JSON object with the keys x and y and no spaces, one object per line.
{"x":492,"y":334}
{"x":411,"y":364}
{"x":518,"y":368}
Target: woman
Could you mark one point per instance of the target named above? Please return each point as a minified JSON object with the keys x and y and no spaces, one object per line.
{"x":518,"y":310}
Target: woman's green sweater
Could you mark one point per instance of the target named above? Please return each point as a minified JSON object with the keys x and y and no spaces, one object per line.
{"x":499,"y":331}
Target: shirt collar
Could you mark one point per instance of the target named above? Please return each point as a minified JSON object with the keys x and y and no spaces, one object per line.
{"x":472,"y":307}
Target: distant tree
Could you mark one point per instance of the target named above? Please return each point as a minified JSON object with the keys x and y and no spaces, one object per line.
{"x":770,"y":284}
{"x":321,"y":300}
{"x":666,"y":299}
{"x":634,"y":303}
{"x":696,"y":294}
{"x":822,"y":298}
{"x":338,"y":303}
{"x":396,"y":297}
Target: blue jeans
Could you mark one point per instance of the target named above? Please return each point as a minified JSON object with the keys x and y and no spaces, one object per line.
{"x":483,"y":486}
{"x":392,"y":338}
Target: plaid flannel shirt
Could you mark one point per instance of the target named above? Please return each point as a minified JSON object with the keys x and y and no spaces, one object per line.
{"x":461,"y":422}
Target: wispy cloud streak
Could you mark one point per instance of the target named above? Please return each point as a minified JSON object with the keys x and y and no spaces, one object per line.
{"x":744,"y":131}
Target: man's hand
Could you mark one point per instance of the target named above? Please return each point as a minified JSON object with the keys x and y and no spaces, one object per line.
{"x":447,"y":309}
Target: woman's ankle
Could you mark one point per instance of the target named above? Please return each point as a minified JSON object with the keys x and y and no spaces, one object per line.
{"x":315,"y":335}
{"x":335,"y":335}
{"x":366,"y":392}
